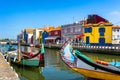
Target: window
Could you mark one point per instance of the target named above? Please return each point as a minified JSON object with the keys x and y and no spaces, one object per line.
{"x":75,"y":29}
{"x":117,"y":30}
{"x":101,"y":29}
{"x":71,"y":30}
{"x":55,"y":32}
{"x":101,"y":33}
{"x":113,"y":37}
{"x":118,"y":36}
{"x":114,"y":30}
{"x":101,"y":41}
{"x":65,"y":31}
{"x":79,"y":30}
{"x":68,"y":30}
{"x":88,"y":30}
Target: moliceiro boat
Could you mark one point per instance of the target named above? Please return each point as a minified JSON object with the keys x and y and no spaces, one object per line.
{"x":26,"y":58}
{"x":87,"y":67}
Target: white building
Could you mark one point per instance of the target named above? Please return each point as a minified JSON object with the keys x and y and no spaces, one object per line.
{"x":36,"y":35}
{"x":116,"y":35}
{"x":29,"y":38}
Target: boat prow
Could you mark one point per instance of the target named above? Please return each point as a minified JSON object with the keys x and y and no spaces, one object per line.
{"x":87,"y":67}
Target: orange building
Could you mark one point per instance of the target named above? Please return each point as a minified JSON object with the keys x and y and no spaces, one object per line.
{"x":54,"y":35}
{"x":48,"y":28}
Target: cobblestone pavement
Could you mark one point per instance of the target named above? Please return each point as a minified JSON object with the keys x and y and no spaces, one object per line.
{"x":6,"y":71}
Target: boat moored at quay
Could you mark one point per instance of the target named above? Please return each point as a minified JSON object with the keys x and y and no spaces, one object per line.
{"x":86,"y":66}
{"x":26,"y":58}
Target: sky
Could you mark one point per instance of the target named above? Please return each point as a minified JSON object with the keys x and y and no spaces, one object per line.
{"x":16,"y":15}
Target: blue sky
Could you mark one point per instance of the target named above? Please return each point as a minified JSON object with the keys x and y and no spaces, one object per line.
{"x":16,"y":15}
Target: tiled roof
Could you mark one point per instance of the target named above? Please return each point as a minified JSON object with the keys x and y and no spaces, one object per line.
{"x":116,"y":27}
{"x":104,"y":23}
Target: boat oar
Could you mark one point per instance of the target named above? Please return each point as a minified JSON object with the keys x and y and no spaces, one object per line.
{"x":19,"y":56}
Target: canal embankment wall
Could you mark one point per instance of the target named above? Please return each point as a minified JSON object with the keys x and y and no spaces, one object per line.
{"x":115,"y":49}
{"x":91,"y":49}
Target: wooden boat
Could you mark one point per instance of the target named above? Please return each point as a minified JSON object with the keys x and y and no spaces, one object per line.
{"x":27,"y":59}
{"x":87,"y":67}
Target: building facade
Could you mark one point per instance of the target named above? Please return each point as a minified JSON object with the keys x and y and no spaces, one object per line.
{"x":54,"y":35}
{"x":98,"y":34}
{"x":116,"y":35}
{"x":98,"y":31}
{"x":70,"y":30}
{"x":37,"y":36}
{"x":28,"y":33}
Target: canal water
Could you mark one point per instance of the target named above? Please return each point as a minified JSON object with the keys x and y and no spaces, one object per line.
{"x":55,"y":69}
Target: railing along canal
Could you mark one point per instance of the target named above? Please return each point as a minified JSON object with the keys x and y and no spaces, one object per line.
{"x":111,"y":49}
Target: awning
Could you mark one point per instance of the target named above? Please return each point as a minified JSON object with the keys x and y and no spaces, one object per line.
{"x":52,"y":37}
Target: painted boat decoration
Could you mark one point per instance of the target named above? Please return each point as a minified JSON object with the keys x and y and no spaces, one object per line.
{"x":87,"y":67}
{"x":27,"y":59}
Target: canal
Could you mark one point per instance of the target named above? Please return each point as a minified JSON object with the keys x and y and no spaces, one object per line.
{"x":55,"y":69}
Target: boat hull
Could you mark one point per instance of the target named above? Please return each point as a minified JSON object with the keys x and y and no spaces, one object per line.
{"x":27,"y":62}
{"x":96,"y":74}
{"x":84,"y":65}
{"x":30,"y":62}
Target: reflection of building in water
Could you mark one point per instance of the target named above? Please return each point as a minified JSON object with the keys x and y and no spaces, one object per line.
{"x":29,"y":73}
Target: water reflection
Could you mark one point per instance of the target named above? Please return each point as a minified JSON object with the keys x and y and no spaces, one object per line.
{"x":54,"y":69}
{"x":29,"y":73}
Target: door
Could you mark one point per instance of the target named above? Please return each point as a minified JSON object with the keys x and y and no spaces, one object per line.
{"x":101,"y":41}
{"x":87,"y":40}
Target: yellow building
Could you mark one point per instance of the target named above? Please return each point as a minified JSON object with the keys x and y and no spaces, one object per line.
{"x":98,"y":34}
{"x":40,"y":35}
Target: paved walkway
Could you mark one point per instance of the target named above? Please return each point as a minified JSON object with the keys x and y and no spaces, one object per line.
{"x":6,"y":71}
